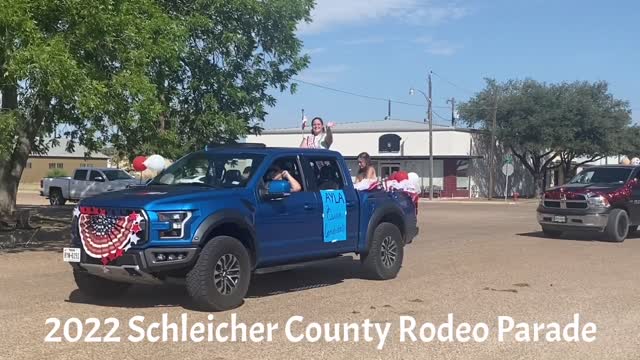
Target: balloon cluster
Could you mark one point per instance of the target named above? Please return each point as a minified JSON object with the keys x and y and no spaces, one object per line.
{"x":153,"y":162}
{"x":401,"y":180}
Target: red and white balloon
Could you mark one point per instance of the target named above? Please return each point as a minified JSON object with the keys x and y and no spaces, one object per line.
{"x":155,"y":163}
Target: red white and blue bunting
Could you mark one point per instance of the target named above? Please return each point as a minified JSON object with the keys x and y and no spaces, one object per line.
{"x":105,"y":236}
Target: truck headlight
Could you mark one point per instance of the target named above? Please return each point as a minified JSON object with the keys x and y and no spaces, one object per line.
{"x":176,"y":221}
{"x":598,"y":201}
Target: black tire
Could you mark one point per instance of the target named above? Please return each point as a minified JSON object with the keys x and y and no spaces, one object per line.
{"x":225,"y":293}
{"x":97,"y":287}
{"x":617,"y":226}
{"x":551,"y":233}
{"x":386,"y":252}
{"x":56,"y":197}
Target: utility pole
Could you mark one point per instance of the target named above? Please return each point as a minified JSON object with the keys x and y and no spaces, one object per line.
{"x":493,"y":141}
{"x":389,"y":111}
{"x":453,"y":110}
{"x":430,"y":141}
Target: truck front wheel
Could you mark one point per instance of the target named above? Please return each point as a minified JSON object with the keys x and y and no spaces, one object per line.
{"x":386,"y":252}
{"x":617,"y":225}
{"x":220,"y":278}
{"x":97,"y":287}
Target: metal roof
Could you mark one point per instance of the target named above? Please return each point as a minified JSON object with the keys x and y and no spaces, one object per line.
{"x":60,"y":151}
{"x":372,"y":126}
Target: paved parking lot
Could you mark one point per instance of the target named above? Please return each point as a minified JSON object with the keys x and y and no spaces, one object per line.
{"x":475,"y":261}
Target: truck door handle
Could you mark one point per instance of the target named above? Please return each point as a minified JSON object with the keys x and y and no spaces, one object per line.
{"x":308,"y":207}
{"x":349,"y":204}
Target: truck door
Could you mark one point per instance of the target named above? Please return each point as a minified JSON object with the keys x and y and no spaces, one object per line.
{"x":95,"y":184}
{"x":288,"y":228}
{"x":77,"y":184}
{"x":338,"y":201}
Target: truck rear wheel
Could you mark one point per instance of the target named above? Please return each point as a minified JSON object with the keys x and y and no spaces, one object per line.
{"x":220,"y":278}
{"x":386,"y":252}
{"x":56,"y":197}
{"x":97,"y":287}
{"x":617,"y":225}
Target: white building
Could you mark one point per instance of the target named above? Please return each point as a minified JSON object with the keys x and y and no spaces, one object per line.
{"x":461,"y":167}
{"x":398,"y":145}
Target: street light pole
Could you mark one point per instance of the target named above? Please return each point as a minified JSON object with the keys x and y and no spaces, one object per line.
{"x":430,"y":141}
{"x":430,"y":116}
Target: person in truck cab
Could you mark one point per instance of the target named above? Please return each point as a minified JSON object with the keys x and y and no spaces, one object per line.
{"x":277,"y":173}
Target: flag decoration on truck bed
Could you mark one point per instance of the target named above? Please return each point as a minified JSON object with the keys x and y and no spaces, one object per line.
{"x":105,"y":236}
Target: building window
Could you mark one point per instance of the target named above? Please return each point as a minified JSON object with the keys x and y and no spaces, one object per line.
{"x":52,"y":165}
{"x":60,"y":165}
{"x":387,"y":169}
{"x":389,"y":143}
{"x":462,"y":174}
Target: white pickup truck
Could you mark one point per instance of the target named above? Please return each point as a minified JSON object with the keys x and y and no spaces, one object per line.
{"x":86,"y":182}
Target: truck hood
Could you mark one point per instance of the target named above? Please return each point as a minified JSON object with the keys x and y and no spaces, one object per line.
{"x":614,"y":192}
{"x":585,"y":188}
{"x":157,"y":196}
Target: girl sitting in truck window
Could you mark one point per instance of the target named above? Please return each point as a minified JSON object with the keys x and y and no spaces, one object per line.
{"x":366,"y":172}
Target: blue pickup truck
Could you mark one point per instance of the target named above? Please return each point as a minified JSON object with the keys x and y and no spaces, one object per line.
{"x":217,"y":216}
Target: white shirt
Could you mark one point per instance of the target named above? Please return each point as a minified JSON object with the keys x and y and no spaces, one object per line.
{"x":316,"y":141}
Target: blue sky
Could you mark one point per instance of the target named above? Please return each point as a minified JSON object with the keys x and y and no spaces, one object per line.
{"x":382,"y":48}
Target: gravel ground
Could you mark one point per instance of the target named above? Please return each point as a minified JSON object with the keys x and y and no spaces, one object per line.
{"x":475,"y":261}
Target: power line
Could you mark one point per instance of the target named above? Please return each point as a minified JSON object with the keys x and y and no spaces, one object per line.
{"x":363,"y":96}
{"x":454,"y":85}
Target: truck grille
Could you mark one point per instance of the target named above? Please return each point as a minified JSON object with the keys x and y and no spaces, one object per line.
{"x":572,"y":202}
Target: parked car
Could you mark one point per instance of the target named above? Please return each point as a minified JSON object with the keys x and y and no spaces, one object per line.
{"x":604,"y":199}
{"x":84,"y":183}
{"x":213,"y":233}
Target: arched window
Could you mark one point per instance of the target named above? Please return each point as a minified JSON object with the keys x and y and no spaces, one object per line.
{"x":389,"y":143}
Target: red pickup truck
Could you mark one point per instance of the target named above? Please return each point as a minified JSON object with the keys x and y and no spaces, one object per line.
{"x":604,"y":199}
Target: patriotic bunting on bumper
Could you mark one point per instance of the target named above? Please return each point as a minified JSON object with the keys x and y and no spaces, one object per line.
{"x":107,"y":237}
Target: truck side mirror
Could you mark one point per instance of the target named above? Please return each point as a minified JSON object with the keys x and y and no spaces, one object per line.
{"x":278,"y":189}
{"x":635,"y":183}
{"x":99,"y":179}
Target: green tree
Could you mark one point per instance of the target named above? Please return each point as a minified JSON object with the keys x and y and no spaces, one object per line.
{"x":542,"y":122}
{"x":144,"y":76}
{"x":595,"y":124}
{"x":526,"y":113}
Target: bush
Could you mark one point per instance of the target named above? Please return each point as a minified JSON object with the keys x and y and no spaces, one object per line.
{"x":56,"y":173}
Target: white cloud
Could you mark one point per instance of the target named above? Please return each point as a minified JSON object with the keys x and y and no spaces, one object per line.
{"x":329,"y":14}
{"x":323,"y":74}
{"x":364,"y":41}
{"x":437,"y":47}
{"x":313,"y":51}
{"x":444,"y":49}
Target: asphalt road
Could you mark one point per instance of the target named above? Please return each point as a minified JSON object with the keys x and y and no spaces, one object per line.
{"x":476,"y":262}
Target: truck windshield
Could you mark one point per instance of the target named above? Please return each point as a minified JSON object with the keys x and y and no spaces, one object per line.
{"x":213,"y":170}
{"x":117,"y":175}
{"x":602,"y":176}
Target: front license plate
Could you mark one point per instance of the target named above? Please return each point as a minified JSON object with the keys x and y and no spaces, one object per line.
{"x":71,"y":254}
{"x":560,"y":219}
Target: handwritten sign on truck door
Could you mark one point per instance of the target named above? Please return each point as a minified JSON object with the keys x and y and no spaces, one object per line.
{"x":334,"y":215}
